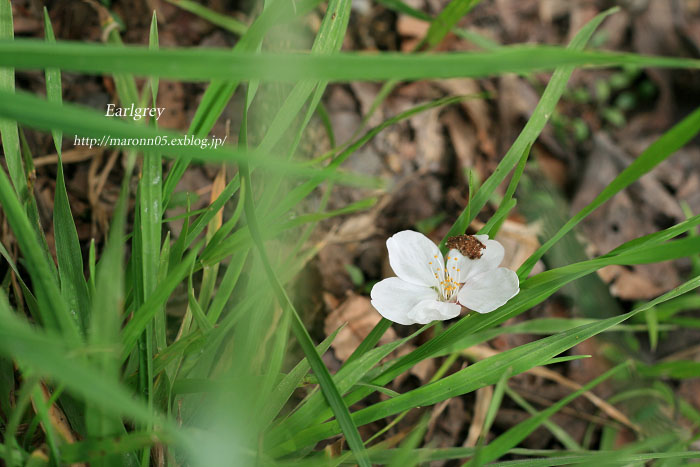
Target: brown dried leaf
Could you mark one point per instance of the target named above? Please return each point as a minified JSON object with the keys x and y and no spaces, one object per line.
{"x":361,"y":317}
{"x":481,"y":406}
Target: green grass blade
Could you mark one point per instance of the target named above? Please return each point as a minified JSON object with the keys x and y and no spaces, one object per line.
{"x":153,"y":45}
{"x":507,"y":203}
{"x":68,"y":252}
{"x":328,"y":387}
{"x":291,"y":380}
{"x":133,"y":329}
{"x":370,"y":341}
{"x":160,"y":319}
{"x":312,"y":411}
{"x":205,"y":64}
{"x":148,"y":225}
{"x":401,"y":7}
{"x":495,"y":404}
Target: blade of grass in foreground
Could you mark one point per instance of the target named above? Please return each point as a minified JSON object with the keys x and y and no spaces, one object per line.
{"x":329,"y":40}
{"x":204,"y":64}
{"x":518,"y":151}
{"x":38,"y":113}
{"x":332,"y":394}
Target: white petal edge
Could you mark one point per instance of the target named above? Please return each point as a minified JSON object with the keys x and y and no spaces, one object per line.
{"x":487,"y":291}
{"x":415,"y":259}
{"x":428,"y":311}
{"x":491,"y":257}
{"x":394,"y":298}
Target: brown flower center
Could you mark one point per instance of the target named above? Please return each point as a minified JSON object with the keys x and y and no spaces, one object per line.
{"x":468,"y":245}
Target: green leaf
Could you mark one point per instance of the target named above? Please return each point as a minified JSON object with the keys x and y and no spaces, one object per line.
{"x":68,"y":252}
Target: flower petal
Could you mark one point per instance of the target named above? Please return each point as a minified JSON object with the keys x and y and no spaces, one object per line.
{"x":394,"y":298}
{"x":491,"y":257}
{"x":427,"y":311}
{"x":489,"y":290}
{"x":415,"y":259}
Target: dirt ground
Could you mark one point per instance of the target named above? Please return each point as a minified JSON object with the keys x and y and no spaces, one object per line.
{"x":605,"y":119}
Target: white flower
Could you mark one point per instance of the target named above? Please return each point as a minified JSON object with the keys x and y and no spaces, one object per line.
{"x":428,"y":288}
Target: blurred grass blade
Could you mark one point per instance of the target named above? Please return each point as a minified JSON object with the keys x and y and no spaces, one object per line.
{"x":288,"y":384}
{"x":55,"y":312}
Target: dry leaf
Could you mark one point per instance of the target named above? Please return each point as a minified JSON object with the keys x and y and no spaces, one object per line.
{"x":361,"y":317}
